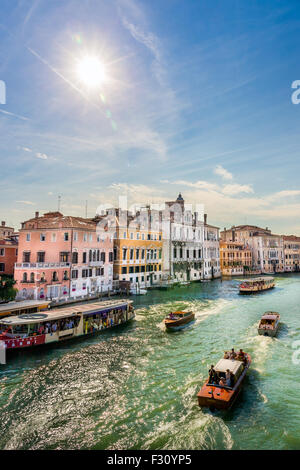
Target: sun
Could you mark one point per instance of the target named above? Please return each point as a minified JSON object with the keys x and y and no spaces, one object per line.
{"x":91,"y":71}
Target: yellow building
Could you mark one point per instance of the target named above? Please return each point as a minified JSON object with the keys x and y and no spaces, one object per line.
{"x":138,"y":248}
{"x":291,"y":253}
{"x":235,"y":258}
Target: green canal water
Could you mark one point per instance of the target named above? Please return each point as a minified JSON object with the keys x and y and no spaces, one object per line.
{"x":135,"y":387}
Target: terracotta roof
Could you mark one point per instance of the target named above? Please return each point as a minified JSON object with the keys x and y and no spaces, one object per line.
{"x":292,"y":238}
{"x":58,"y":220}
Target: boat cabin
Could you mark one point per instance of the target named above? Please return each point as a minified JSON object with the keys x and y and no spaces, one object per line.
{"x":235,"y":367}
{"x":178,"y":315}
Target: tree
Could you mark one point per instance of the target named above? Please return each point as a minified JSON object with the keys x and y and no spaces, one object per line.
{"x":7,"y":290}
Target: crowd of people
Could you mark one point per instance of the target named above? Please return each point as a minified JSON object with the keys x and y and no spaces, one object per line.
{"x":226,"y":379}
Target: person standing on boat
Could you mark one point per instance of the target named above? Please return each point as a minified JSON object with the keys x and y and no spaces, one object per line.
{"x":213,"y":376}
{"x":228,"y":378}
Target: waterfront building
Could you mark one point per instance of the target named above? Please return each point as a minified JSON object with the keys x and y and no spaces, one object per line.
{"x":8,"y":255}
{"x":211,"y":251}
{"x":291,"y":253}
{"x":182,"y":242}
{"x":137,"y":246}
{"x":267,"y":248}
{"x":235,"y":258}
{"x":61,"y":257}
{"x":5,"y":231}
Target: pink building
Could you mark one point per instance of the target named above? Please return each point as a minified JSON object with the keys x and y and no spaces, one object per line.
{"x":61,"y":256}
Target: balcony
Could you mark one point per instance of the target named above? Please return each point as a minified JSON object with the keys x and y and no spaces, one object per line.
{"x":41,"y":265}
{"x":95,"y":264}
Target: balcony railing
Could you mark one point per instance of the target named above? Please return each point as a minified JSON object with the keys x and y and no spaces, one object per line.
{"x":95,"y":263}
{"x":41,"y":265}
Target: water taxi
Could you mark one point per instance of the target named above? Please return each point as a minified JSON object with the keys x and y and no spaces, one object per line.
{"x":217,"y":395}
{"x":60,"y":324}
{"x":255,"y":285}
{"x":178,"y":320}
{"x":269,"y":324}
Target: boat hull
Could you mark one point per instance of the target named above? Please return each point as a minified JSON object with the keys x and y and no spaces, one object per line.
{"x":174,"y":325}
{"x":268,"y":332}
{"x":252,"y":291}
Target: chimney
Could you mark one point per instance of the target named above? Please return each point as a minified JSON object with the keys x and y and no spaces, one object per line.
{"x":3,"y":223}
{"x":205,"y":218}
{"x":37,"y":215}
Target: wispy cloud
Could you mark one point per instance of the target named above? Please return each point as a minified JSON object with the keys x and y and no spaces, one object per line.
{"x":18,"y":116}
{"x":28,"y":203}
{"x":42,"y":156}
{"x":219,"y":170}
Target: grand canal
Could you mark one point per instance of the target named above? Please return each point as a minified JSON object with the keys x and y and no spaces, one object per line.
{"x":135,"y":387}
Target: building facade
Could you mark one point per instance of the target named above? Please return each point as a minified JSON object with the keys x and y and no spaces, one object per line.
{"x":291,"y":253}
{"x":8,"y":256}
{"x":182,"y":242}
{"x":61,"y":257}
{"x":235,"y":258}
{"x":211,"y":251}
{"x":267,"y":248}
{"x":137,"y":247}
{"x":5,"y":232}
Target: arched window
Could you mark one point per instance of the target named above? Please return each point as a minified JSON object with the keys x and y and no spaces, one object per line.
{"x":43,"y":277}
{"x":75,"y":257}
{"x":24,"y":277}
{"x":54,"y":276}
{"x":94,"y":255}
{"x":65,"y":275}
{"x":98,"y":255}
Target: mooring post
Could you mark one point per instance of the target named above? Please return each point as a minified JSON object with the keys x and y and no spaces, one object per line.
{"x":2,"y":352}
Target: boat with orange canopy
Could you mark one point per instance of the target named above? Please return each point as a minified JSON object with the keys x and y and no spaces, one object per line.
{"x":217,"y":396}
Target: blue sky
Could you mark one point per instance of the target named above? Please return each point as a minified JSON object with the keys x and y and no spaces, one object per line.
{"x":197,"y":99}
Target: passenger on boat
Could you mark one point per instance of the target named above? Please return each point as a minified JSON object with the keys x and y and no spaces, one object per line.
{"x":222,"y":382}
{"x":233,"y":354}
{"x":54,"y":327}
{"x":228,"y":378}
{"x":241,"y":355}
{"x":226,"y":355}
{"x":213,"y":376}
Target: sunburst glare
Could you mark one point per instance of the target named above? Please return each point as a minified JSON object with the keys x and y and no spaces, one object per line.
{"x":91,"y":71}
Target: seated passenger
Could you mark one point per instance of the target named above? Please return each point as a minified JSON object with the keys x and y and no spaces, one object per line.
{"x":232,"y":354}
{"x":222,"y":382}
{"x":241,"y":355}
{"x":226,"y":355}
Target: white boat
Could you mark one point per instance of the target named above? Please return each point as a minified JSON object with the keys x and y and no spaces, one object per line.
{"x":269,"y":324}
{"x":138,"y":291}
